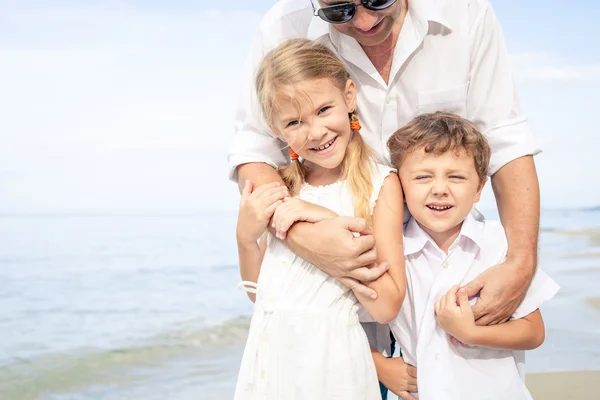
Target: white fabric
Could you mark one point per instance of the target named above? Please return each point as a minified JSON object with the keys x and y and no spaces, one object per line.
{"x":452,"y":372}
{"x":450,"y":56}
{"x":305,"y":340}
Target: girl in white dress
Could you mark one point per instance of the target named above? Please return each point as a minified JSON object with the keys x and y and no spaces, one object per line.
{"x":305,"y":340}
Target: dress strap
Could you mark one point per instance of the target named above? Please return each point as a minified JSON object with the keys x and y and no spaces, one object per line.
{"x":248,"y":286}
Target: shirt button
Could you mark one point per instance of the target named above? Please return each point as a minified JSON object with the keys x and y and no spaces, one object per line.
{"x":388,"y":100}
{"x":445,"y":264}
{"x":437,"y":356}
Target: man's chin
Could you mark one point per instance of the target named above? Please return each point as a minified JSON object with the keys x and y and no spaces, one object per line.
{"x":373,"y":40}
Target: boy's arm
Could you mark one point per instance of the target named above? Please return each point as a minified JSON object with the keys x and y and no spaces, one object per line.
{"x":388,"y":217}
{"x":455,"y":316}
{"x":526,"y":333}
{"x":396,"y":375}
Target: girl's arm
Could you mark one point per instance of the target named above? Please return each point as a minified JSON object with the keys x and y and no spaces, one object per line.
{"x":251,"y":256}
{"x":257,"y":206}
{"x":388,"y":218}
{"x":456,"y":317}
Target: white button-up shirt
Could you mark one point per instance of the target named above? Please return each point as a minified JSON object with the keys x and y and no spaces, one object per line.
{"x":450,"y":56}
{"x":446,"y":371}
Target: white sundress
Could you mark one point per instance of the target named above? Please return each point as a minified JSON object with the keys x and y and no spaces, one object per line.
{"x":305,"y":340}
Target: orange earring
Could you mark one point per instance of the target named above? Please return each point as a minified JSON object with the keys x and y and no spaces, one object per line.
{"x":355,"y":125}
{"x":293,"y":155}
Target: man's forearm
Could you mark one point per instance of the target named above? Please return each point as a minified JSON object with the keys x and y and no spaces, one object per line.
{"x":297,"y":240}
{"x":258,"y":173}
{"x":517,"y":192}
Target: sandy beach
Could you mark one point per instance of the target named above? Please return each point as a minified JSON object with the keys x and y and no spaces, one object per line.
{"x":592,"y":234}
{"x":576,"y":385}
{"x":584,"y":385}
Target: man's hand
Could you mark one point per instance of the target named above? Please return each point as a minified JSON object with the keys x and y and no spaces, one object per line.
{"x":400,"y":378}
{"x":332,"y":246}
{"x":501,"y":290}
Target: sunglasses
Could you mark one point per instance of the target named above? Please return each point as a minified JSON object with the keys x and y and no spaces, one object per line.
{"x":344,"y":12}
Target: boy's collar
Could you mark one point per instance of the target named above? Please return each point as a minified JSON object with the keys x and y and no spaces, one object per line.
{"x":415,"y":238}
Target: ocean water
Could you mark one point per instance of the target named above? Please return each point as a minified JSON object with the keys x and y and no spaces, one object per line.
{"x":146,"y":307}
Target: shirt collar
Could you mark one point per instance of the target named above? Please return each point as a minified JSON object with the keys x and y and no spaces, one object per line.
{"x":423,"y":10}
{"x":428,"y":11}
{"x":317,"y":27}
{"x":415,"y":238}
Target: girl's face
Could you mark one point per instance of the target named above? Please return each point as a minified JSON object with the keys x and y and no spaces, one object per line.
{"x":314,"y":121}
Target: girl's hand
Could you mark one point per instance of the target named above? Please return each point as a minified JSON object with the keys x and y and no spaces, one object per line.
{"x":454,"y":314}
{"x":293,"y":210}
{"x":256,"y":209}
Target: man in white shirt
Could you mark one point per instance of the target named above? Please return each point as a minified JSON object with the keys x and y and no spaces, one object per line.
{"x":407,"y":57}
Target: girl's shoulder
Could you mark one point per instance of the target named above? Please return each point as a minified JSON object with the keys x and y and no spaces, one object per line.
{"x":379,"y":173}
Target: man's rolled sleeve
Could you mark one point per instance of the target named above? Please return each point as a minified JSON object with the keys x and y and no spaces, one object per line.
{"x":250,"y":146}
{"x":253,"y":141}
{"x":509,"y":142}
{"x":492,"y":100}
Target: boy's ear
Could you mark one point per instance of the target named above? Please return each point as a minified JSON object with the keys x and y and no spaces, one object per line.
{"x":481,"y":186}
{"x":350,"y":95}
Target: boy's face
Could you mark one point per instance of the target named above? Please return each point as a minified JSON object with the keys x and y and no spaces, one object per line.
{"x":440,"y":190}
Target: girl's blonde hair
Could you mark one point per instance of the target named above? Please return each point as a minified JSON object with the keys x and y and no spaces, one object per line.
{"x":296,"y":61}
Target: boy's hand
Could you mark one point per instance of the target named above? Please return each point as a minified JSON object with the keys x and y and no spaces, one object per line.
{"x":256,"y":209}
{"x":400,"y":378}
{"x":293,"y":210}
{"x":454,"y":314}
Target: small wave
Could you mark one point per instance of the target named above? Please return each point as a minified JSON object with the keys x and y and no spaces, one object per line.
{"x":30,"y":379}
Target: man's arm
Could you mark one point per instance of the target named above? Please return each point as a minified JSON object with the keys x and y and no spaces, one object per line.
{"x":258,"y":173}
{"x":493,"y":105}
{"x":329,"y":244}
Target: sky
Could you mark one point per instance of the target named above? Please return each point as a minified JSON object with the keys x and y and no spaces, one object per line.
{"x":127,"y":106}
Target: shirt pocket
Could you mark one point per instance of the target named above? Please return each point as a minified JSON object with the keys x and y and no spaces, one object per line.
{"x":452,"y":100}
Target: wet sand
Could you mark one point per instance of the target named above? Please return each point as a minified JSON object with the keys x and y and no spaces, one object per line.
{"x":576,"y":385}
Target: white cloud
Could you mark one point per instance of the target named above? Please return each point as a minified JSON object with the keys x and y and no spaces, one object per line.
{"x":546,"y":67}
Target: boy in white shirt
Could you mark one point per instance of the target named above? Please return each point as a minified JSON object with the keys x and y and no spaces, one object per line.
{"x":442,"y":161}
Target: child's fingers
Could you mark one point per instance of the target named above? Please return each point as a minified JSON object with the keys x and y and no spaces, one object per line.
{"x":248,"y":186}
{"x":443,"y":302}
{"x":269,"y":211}
{"x":452,"y":295}
{"x":463,"y":300}
{"x":258,"y":191}
{"x":272,"y":197}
